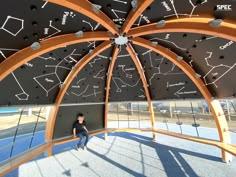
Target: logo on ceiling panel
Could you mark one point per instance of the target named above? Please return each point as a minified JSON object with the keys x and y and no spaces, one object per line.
{"x":224,"y":7}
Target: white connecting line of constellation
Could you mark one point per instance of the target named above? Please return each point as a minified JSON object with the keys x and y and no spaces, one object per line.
{"x":118,"y":88}
{"x":117,"y":11}
{"x":92,"y":94}
{"x":213,"y":67}
{"x":150,"y":57}
{"x":179,"y":14}
{"x":181,"y":48}
{"x":200,"y":40}
{"x":145,"y":18}
{"x":127,"y":75}
{"x":92,"y":29}
{"x":97,"y":59}
{"x":19,"y":95}
{"x":45,"y":3}
{"x":99,"y":73}
{"x":208,"y":38}
{"x":143,"y":95}
{"x":52,"y":27}
{"x":180,"y":92}
{"x":166,"y":73}
{"x":55,"y":72}
{"x":85,"y":90}
{"x":123,"y":2}
{"x":13,"y":18}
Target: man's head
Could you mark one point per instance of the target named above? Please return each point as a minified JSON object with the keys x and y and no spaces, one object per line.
{"x":80,"y":117}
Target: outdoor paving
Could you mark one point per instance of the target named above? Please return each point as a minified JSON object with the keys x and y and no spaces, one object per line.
{"x":132,"y":154}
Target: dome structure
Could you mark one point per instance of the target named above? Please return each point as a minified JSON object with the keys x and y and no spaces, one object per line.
{"x":83,"y":55}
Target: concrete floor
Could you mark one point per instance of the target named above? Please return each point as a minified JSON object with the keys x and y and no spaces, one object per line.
{"x":131,"y":154}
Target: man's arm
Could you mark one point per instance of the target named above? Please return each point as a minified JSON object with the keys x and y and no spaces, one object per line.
{"x":74,"y":132}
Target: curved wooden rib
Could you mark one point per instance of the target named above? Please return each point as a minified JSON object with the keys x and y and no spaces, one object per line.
{"x":214,"y":105}
{"x":190,"y":25}
{"x":145,"y":85}
{"x":134,"y":14}
{"x":27,"y":54}
{"x":108,"y":84}
{"x":85,"y":7}
{"x":78,"y":67}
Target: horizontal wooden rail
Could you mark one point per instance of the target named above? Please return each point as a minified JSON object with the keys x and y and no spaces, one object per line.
{"x":224,"y":146}
{"x":17,"y":161}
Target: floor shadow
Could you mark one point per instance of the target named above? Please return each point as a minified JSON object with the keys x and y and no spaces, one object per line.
{"x":170,"y":157}
{"x":172,"y":160}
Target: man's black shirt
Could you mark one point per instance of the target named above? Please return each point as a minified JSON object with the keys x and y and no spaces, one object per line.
{"x":79,"y":126}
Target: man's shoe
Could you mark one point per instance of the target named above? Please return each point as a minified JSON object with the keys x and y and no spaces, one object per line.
{"x":77,"y":147}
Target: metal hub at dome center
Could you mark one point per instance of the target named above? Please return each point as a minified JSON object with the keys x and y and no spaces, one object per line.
{"x":121,"y":40}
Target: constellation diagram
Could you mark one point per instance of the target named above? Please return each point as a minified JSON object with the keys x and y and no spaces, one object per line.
{"x":141,"y":18}
{"x":156,"y":64}
{"x":159,"y":66}
{"x":10,"y":22}
{"x":125,"y":78}
{"x":172,"y":2}
{"x":118,"y":18}
{"x":201,"y":40}
{"x":168,"y":41}
{"x":52,"y":80}
{"x":93,"y":28}
{"x":214,"y":71}
{"x":89,"y":86}
{"x":101,"y":74}
{"x":23,"y":95}
{"x":51,"y":27}
{"x":78,"y":86}
{"x":124,"y":84}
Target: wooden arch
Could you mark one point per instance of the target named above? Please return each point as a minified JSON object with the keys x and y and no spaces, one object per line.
{"x":190,"y":25}
{"x":194,"y":25}
{"x":25,"y":55}
{"x":214,"y":105}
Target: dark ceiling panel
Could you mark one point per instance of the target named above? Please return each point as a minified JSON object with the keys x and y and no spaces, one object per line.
{"x":67,"y":115}
{"x":38,"y":81}
{"x":126,"y":84}
{"x":24,"y":22}
{"x":172,"y":9}
{"x":212,"y":57}
{"x":90,"y":83}
{"x":165,"y":79}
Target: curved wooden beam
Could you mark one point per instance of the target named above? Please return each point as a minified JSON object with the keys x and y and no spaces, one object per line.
{"x":139,"y":67}
{"x":214,"y":105}
{"x":134,"y":14}
{"x":78,"y":67}
{"x":108,"y":84}
{"x":86,"y":8}
{"x":189,"y":25}
{"x":25,"y":55}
